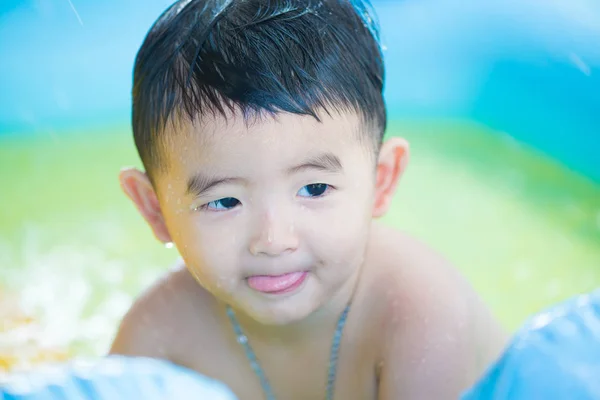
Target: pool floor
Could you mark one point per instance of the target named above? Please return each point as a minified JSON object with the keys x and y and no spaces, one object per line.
{"x":524,"y":230}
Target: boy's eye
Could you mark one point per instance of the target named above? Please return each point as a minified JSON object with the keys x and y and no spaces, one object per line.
{"x":313,"y":190}
{"x":225,"y":203}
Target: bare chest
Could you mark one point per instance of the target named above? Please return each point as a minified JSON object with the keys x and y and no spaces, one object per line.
{"x":291,"y":375}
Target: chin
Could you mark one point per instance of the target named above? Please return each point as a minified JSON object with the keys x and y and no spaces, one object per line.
{"x":284,"y":310}
{"x":275,"y":318}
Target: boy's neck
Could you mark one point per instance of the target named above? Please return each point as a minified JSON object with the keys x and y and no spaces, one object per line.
{"x":320,"y":324}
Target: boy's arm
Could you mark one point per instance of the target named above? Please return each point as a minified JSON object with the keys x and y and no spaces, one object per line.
{"x":136,"y":335}
{"x":440,"y":344}
{"x":437,"y":361}
{"x":147,"y":328}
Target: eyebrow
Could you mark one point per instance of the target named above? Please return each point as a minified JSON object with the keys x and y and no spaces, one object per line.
{"x":322,"y":162}
{"x":200,"y":183}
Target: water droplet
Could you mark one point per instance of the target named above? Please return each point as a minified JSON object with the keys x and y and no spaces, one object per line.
{"x":580,"y":64}
{"x":242,"y":339}
{"x":169,"y":245}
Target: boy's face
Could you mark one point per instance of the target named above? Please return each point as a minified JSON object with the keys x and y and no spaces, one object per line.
{"x":273,"y":218}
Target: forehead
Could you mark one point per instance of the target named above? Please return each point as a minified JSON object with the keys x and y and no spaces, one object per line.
{"x":283,"y":138}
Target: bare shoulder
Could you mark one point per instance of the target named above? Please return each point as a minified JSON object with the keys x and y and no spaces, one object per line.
{"x":155,"y":324}
{"x":439,"y":334}
{"x":413,"y":272}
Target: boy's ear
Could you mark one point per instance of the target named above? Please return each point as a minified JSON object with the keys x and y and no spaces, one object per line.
{"x":393,"y":159}
{"x":138,"y":188}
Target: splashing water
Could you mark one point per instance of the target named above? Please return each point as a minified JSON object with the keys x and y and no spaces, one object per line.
{"x":75,"y":11}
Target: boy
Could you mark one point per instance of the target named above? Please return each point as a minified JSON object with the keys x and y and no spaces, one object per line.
{"x":260,"y":125}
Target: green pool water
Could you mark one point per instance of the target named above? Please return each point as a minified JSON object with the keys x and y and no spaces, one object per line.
{"x":524,"y":230}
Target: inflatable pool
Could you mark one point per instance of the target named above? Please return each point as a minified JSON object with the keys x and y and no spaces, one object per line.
{"x":500,"y":100}
{"x":113,"y":378}
{"x":556,"y":355}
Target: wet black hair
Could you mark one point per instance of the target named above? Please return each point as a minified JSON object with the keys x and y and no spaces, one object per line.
{"x":259,"y":57}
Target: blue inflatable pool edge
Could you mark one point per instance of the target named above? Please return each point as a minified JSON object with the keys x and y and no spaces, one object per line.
{"x":114,"y":378}
{"x":555,"y":355}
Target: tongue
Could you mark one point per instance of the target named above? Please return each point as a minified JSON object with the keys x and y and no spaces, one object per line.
{"x":271,"y":283}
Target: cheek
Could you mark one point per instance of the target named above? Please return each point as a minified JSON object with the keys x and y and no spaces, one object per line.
{"x":210,"y":251}
{"x":346,"y":240}
{"x":340,"y":235}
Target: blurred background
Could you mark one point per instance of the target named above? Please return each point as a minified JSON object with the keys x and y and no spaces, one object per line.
{"x":499,"y":99}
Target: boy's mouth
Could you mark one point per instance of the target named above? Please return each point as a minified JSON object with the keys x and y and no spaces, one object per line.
{"x":277,"y":284}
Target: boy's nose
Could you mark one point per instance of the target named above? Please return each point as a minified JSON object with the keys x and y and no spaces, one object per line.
{"x":276,"y":235}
